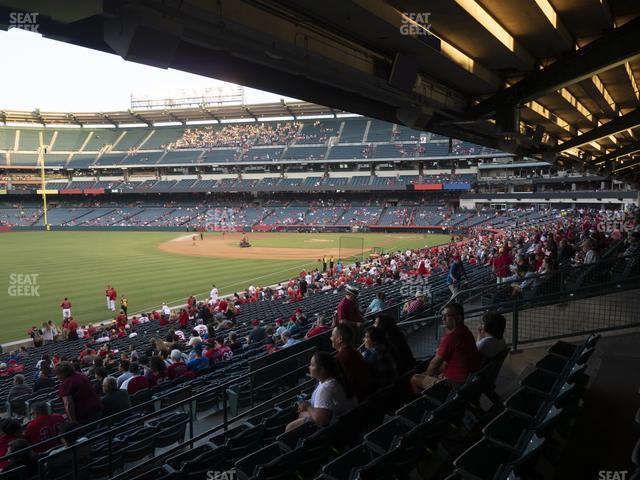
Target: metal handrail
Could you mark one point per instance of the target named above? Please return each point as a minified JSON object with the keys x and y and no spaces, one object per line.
{"x":221,"y":388}
{"x":563,"y":273}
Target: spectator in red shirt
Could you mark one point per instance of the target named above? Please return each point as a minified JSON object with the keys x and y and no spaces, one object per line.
{"x":356,"y":371}
{"x":136,"y":382}
{"x":191,"y":301}
{"x":10,"y":432}
{"x":157,"y":371}
{"x":218,"y":353}
{"x":222,"y":305}
{"x":318,"y":328}
{"x":416,"y":304}
{"x":81,"y":403}
{"x":104,"y":350}
{"x":87,"y":355}
{"x":457,"y":355}
{"x":348,"y":311}
{"x":121,"y":319}
{"x":178,"y":368}
{"x":183,"y":319}
{"x":501,"y":265}
{"x":73,"y":329}
{"x":44,"y":426}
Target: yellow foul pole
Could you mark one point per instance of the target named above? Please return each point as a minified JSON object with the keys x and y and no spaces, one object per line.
{"x":43,"y":181}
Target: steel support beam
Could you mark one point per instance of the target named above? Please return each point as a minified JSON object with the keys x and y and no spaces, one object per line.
{"x":617,"y":125}
{"x":632,"y":164}
{"x":626,"y":150}
{"x":615,"y":48}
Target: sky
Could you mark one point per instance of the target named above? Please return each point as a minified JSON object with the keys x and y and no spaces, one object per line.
{"x":59,"y":77}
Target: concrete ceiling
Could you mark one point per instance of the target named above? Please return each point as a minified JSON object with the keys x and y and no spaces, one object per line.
{"x":488,"y":71}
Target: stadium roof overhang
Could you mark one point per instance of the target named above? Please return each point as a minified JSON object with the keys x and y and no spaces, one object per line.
{"x":555,"y":79}
{"x":175,"y":115}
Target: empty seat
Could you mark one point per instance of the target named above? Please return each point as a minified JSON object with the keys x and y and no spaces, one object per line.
{"x":139,"y":443}
{"x":487,"y":460}
{"x":247,"y":466}
{"x":172,"y":428}
{"x":418,"y":410}
{"x":158,"y":473}
{"x":293,"y":438}
{"x":195,"y":468}
{"x":347,"y":465}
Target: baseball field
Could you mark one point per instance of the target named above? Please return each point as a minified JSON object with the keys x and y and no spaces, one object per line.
{"x":39,"y":269}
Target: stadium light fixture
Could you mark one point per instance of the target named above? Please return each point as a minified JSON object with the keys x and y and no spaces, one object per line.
{"x":484,"y":18}
{"x":552,"y":16}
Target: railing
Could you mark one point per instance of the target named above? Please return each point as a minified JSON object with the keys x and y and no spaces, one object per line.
{"x":564,"y":280}
{"x":575,"y":301}
{"x":189,"y":402}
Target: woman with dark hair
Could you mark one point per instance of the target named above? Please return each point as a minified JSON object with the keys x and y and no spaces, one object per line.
{"x":44,"y":380}
{"x":157,"y":371}
{"x":26,"y":458}
{"x":332,"y":396}
{"x":11,"y":430}
{"x":44,"y":361}
{"x":490,"y":332}
{"x":378,"y":357}
{"x":396,"y":342}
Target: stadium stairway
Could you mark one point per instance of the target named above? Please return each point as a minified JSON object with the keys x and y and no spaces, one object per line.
{"x":386,"y":437}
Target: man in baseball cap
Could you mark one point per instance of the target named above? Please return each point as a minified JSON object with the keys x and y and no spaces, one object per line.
{"x":348,"y":312}
{"x":456,"y":270}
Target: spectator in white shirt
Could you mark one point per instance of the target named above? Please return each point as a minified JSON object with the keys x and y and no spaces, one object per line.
{"x":331,"y":398}
{"x":214,"y":294}
{"x":200,"y":328}
{"x":490,"y":335}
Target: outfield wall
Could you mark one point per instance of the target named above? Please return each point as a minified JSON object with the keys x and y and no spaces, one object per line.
{"x":255,"y":228}
{"x":101,"y":229}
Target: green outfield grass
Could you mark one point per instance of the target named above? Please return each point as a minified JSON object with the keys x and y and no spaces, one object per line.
{"x":80,"y":265}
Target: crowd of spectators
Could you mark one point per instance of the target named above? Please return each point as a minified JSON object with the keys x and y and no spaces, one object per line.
{"x":318,"y":132}
{"x":242,"y":135}
{"x":100,"y":380}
